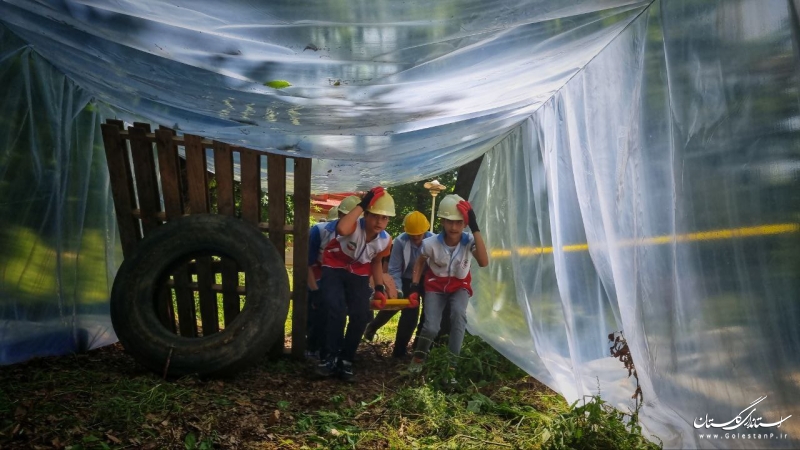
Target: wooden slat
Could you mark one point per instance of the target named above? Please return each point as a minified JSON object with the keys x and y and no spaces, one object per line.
{"x":164,"y":308}
{"x":186,"y":313}
{"x":302,"y":202}
{"x":196,"y":174}
{"x":119,"y":124}
{"x":120,"y":175}
{"x":251,"y":186}
{"x":223,"y":170}
{"x":276,"y":189}
{"x":145,"y":175}
{"x":170,"y":173}
{"x":239,"y":290}
{"x":264,"y":226}
{"x":208,"y":298}
{"x":230,"y":290}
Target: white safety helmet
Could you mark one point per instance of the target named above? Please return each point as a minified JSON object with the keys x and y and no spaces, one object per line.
{"x":348,"y":204}
{"x":333,"y":214}
{"x":448,"y":208}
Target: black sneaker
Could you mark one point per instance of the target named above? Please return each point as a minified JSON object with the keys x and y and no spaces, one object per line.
{"x":400,"y":354}
{"x":369,"y":334}
{"x":326,"y":368}
{"x":345,"y":371}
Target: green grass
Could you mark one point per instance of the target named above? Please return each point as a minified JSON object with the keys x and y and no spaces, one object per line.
{"x":103,"y":400}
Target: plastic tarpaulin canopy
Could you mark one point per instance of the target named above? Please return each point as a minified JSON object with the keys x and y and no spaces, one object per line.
{"x":641,"y":169}
{"x":657,"y":193}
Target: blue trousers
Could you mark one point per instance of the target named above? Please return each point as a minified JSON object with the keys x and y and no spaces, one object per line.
{"x":315,"y":334}
{"x":344,"y":294}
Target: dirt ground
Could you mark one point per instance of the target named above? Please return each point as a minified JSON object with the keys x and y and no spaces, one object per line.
{"x":104,"y":399}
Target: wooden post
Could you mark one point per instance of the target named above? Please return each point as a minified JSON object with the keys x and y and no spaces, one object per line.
{"x":119,"y":173}
{"x":223,"y":168}
{"x":199,"y":203}
{"x":276,"y":190}
{"x":302,"y":205}
{"x":250,"y":162}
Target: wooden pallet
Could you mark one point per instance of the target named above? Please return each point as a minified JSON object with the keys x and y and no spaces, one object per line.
{"x":147,"y":172}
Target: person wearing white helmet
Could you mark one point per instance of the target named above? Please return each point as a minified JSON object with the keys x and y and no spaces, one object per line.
{"x":348,"y":260}
{"x":405,"y":251}
{"x":447,"y":279}
{"x":319,"y":236}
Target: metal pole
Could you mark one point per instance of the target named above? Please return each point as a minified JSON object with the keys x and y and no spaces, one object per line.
{"x":433,"y":209}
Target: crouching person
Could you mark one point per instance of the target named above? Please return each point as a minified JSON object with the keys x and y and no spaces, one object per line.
{"x":405,"y":251}
{"x":348,"y":260}
{"x":320,"y":236}
{"x":447,"y":280}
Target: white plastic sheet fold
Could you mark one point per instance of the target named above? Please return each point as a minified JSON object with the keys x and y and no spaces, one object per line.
{"x":641,"y":174}
{"x":657,"y":193}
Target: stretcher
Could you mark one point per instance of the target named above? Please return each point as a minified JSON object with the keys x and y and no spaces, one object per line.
{"x":392,"y":304}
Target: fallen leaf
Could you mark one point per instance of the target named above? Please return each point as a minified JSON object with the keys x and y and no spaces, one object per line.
{"x":274,"y":417}
{"x":277,"y":84}
{"x":335,"y":432}
{"x":113,"y":438}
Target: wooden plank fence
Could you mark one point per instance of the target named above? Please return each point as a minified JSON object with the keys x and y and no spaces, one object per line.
{"x":151,"y":184}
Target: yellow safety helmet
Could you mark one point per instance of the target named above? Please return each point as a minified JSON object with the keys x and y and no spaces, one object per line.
{"x":416,"y":223}
{"x":384,"y":205}
{"x":448,"y":208}
{"x":333,"y":214}
{"x":348,"y":204}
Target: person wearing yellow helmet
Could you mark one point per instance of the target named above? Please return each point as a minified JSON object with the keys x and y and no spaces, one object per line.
{"x":347,"y":262}
{"x":448,"y":257}
{"x":405,"y":251}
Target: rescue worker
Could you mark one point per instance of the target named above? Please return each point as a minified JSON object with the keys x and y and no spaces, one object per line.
{"x":405,"y":251}
{"x":448,"y":256}
{"x":348,"y":260}
{"x":319,"y":236}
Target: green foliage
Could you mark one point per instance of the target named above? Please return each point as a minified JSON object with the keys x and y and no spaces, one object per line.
{"x":596,"y":425}
{"x":191,"y":443}
{"x":478,"y":364}
{"x":414,"y":197}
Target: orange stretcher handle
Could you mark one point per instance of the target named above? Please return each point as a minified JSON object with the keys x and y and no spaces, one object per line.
{"x":392,"y":304}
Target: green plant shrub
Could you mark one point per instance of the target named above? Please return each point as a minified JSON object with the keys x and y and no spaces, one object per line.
{"x":595,"y":425}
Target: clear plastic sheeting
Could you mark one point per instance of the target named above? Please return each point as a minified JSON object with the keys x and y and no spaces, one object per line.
{"x":658,"y":193}
{"x":642,"y":174}
{"x":58,"y":238}
{"x":379,"y":89}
